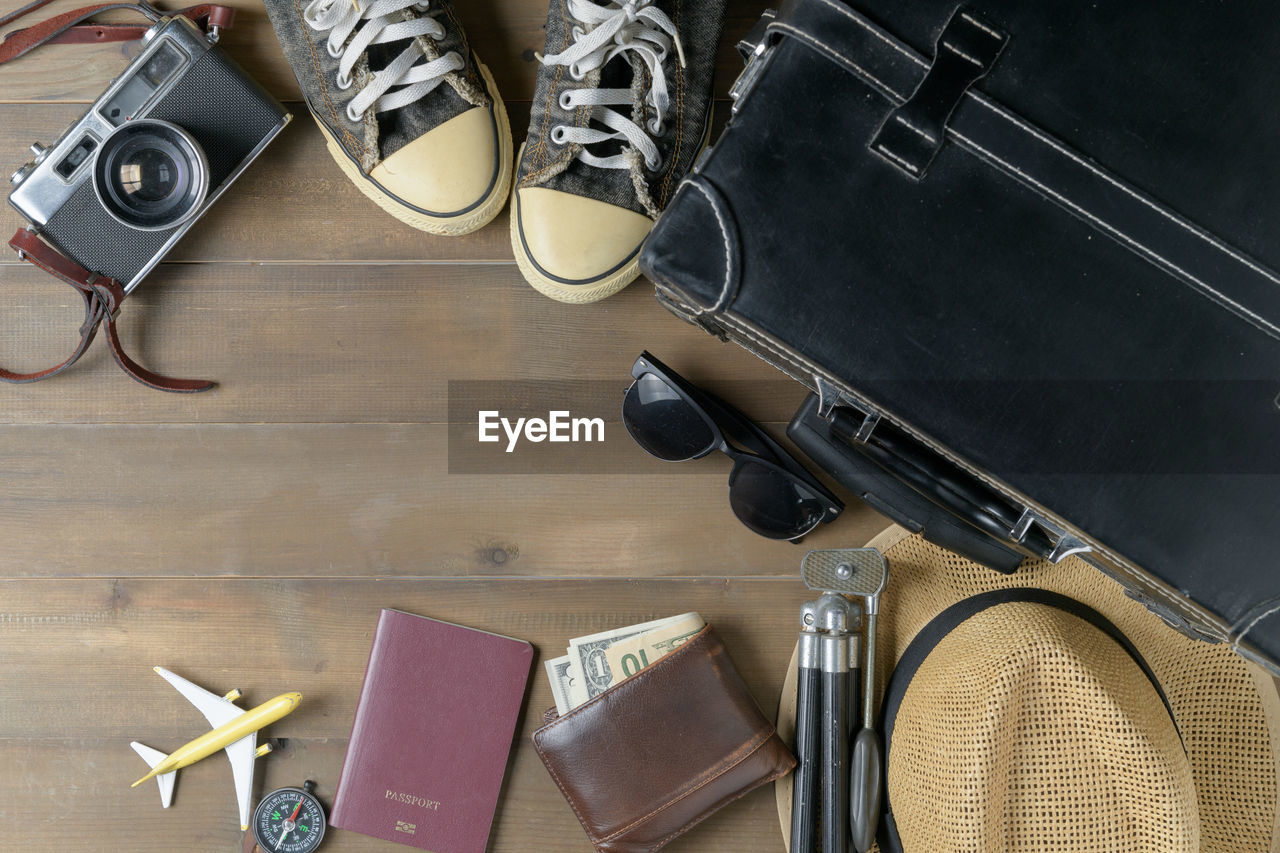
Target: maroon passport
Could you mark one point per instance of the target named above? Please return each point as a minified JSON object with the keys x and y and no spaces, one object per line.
{"x":432,"y":734}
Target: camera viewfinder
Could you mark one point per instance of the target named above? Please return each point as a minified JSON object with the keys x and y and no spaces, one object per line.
{"x":162,"y":64}
{"x":139,"y":89}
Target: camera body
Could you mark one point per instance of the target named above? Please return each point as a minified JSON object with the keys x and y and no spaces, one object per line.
{"x":123,"y":184}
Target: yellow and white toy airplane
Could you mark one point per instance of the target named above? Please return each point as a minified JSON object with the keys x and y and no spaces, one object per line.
{"x":235,"y":730}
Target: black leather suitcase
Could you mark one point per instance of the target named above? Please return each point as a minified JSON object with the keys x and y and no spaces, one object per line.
{"x":1025,"y":254}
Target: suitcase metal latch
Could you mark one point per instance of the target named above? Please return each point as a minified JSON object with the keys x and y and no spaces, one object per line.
{"x":1064,"y":542}
{"x":753,"y":47}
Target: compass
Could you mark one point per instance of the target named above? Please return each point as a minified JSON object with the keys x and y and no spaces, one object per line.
{"x":289,"y":820}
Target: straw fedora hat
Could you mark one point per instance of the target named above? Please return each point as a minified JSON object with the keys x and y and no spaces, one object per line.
{"x":1047,"y":711}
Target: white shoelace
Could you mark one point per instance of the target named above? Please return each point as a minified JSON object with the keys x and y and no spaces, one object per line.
{"x":605,"y":32}
{"x":409,"y":70}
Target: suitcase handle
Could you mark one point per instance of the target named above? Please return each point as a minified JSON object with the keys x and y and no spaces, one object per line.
{"x":937,"y":479}
{"x":886,"y":493}
{"x":945,"y":484}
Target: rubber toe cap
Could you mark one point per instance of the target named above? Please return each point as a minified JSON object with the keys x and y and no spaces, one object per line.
{"x":448,"y":169}
{"x":577,"y":239}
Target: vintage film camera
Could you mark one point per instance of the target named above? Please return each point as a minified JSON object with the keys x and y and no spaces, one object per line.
{"x":123,"y":184}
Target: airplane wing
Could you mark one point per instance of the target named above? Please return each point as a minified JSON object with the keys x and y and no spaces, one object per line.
{"x":241,"y":756}
{"x":216,"y":710}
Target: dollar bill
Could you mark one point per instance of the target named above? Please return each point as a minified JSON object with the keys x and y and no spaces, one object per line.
{"x":588,"y":654}
{"x":559,"y":672}
{"x":630,"y":656}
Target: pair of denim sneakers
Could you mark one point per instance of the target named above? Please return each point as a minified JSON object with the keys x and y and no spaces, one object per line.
{"x":621,"y":108}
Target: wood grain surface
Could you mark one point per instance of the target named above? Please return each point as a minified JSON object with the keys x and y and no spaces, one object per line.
{"x":247,"y":537}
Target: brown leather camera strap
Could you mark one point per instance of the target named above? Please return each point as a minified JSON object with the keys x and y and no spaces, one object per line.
{"x":102,"y":297}
{"x":73,"y":27}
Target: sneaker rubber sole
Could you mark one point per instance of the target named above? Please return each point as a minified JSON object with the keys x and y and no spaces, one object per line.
{"x":448,"y":226}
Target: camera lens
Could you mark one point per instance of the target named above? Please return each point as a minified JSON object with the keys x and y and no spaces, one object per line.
{"x":151,"y":175}
{"x":148,"y":175}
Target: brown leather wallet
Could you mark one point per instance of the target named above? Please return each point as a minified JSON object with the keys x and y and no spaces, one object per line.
{"x":655,"y":754}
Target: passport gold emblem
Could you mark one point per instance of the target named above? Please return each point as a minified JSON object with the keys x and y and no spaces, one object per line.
{"x":406,"y":828}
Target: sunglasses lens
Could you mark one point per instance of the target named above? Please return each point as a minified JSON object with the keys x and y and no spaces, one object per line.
{"x":773,"y":504}
{"x":662,"y":422}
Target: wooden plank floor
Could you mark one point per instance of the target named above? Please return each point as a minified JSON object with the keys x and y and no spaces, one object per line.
{"x":247,"y":537}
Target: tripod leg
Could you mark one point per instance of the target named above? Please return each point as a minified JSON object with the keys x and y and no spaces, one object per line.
{"x":804,"y":793}
{"x":835,"y":743}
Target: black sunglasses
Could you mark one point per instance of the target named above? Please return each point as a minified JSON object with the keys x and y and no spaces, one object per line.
{"x":674,"y":420}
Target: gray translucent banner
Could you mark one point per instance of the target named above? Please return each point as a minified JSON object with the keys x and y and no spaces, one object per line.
{"x":1182,"y":428}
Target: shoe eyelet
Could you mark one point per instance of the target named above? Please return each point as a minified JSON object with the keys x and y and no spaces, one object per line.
{"x":344,"y":85}
{"x":335,"y":52}
{"x":558,"y":134}
{"x":576,"y":73}
{"x":354,"y":116}
{"x":566,"y":101}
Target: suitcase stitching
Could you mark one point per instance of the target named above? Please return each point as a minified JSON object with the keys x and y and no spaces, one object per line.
{"x":1203,"y":235}
{"x":1240,"y":635}
{"x":1257,"y":321}
{"x":909,"y":54}
{"x":804,"y":36}
{"x":722,"y":302}
{"x":981,"y":25}
{"x":928,"y":137}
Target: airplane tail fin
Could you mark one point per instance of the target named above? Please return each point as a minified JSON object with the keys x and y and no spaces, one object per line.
{"x":165,"y":780}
